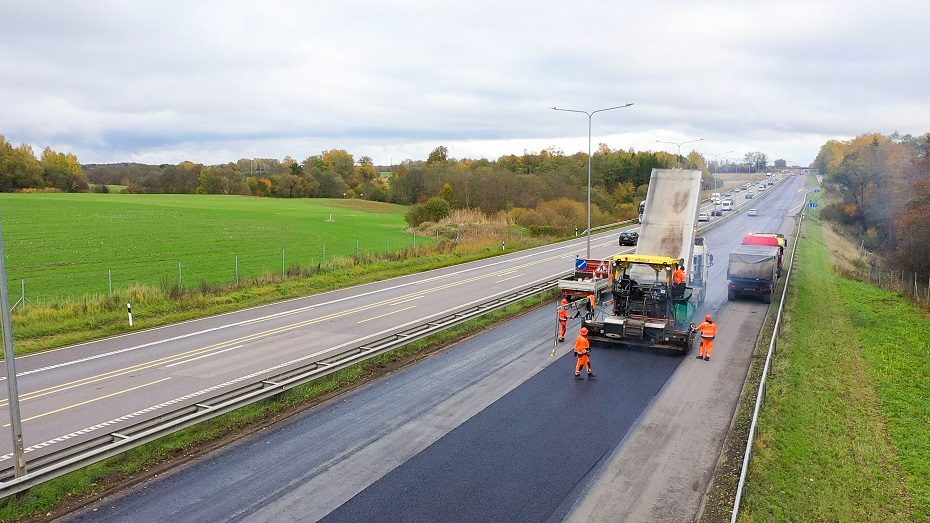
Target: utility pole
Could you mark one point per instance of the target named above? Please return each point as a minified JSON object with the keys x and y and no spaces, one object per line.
{"x":16,"y":424}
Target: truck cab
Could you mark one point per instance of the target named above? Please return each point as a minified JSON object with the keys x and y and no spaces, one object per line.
{"x":701,"y":262}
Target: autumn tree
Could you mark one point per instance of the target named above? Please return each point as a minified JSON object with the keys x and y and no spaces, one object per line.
{"x":439,"y":154}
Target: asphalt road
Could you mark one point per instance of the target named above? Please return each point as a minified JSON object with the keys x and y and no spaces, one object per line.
{"x":493,"y":429}
{"x":76,"y":393}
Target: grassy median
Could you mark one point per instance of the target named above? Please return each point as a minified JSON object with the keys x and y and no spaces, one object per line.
{"x":844,"y":433}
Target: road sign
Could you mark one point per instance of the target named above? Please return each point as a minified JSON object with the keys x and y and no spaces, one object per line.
{"x":812,"y":205}
{"x":581,"y":264}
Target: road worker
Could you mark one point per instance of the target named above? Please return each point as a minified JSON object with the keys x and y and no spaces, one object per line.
{"x":679,"y":281}
{"x":708,"y":331}
{"x":563,"y":319}
{"x":582,"y":350}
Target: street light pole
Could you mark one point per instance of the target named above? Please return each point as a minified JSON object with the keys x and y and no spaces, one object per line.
{"x":679,"y":144}
{"x":589,"y":115}
{"x":16,"y":427}
{"x":714,"y":174}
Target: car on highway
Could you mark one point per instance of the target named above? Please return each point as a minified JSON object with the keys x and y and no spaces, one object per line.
{"x":752,"y":212}
{"x":703,"y":217}
{"x":717,"y":212}
{"x":750,"y":195}
{"x":628,"y":238}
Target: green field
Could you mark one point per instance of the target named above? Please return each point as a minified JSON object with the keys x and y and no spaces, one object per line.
{"x":64,"y":244}
{"x":844,"y":434}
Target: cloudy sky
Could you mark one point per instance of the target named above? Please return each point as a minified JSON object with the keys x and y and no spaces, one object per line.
{"x":211,"y":82}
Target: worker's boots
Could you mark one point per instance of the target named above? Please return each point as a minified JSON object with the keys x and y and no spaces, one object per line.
{"x":591,"y":376}
{"x":578,"y":377}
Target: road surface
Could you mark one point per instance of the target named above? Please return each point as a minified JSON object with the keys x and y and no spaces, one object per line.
{"x":494,"y":429}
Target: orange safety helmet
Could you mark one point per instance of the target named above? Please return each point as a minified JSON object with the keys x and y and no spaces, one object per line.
{"x":584,"y":331}
{"x":708,"y":317}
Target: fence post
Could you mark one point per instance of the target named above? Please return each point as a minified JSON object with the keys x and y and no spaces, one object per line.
{"x":237,"y":269}
{"x":283,"y":266}
{"x":414,"y":240}
{"x":129,"y":310}
{"x":180,"y":277}
{"x":110,"y":280}
{"x":356,"y":249}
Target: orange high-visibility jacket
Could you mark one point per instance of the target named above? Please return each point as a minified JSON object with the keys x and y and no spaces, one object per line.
{"x":582,"y":345}
{"x":708,"y":330}
{"x":563,"y":315}
{"x":679,"y":276}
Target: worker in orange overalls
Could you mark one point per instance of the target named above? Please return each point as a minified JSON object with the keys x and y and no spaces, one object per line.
{"x":563,"y":319}
{"x":708,"y":331}
{"x":582,"y":350}
{"x":679,"y":281}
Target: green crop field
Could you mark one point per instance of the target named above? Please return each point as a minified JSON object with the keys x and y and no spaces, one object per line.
{"x":64,"y":244}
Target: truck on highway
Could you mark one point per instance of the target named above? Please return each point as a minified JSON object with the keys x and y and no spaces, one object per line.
{"x":591,"y":277}
{"x":701,"y":262}
{"x":648,"y":310}
{"x":770,"y":239}
{"x":753,"y":271}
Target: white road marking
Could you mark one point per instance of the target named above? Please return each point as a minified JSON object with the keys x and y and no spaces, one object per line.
{"x":214,"y":388}
{"x":204,"y":356}
{"x":510,"y":278}
{"x":69,"y":407}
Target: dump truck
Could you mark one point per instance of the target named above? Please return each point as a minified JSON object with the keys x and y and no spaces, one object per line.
{"x":753,"y":271}
{"x":647,"y":309}
{"x":769,"y":239}
{"x":701,"y":262}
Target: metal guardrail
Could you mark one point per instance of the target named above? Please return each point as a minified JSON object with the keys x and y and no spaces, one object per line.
{"x":60,"y":462}
{"x":763,"y":387}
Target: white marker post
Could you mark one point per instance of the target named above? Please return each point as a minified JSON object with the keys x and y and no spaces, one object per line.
{"x":129,"y":310}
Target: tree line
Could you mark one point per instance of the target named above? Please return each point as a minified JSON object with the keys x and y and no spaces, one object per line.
{"x":537,"y":189}
{"x":884,"y":183}
{"x":21,"y":170}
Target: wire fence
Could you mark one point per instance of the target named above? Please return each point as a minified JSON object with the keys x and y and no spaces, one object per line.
{"x":204,"y":270}
{"x":910,"y":284}
{"x":33,"y":285}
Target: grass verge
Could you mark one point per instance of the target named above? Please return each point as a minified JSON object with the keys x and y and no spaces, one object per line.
{"x":77,"y":489}
{"x":840,"y":435}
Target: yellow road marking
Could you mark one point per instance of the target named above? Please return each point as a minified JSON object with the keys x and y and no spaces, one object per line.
{"x":56,"y":411}
{"x":389,"y":313}
{"x":279,"y":330}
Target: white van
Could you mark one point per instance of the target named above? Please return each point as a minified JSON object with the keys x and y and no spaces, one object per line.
{"x":726,"y":205}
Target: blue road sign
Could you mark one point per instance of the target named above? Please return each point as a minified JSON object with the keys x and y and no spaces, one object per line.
{"x":581,"y":264}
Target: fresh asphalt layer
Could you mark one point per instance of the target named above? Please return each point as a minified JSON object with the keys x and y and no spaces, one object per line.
{"x":490,"y":429}
{"x":521,"y":457}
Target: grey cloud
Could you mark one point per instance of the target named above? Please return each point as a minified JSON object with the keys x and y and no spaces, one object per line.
{"x":175,"y":80}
